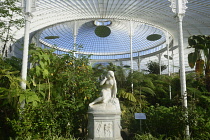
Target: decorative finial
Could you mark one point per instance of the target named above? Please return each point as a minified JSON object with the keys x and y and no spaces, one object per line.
{"x":178,"y":6}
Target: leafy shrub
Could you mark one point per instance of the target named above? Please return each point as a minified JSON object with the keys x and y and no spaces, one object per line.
{"x":166,"y":121}
{"x":144,"y":137}
{"x":46,"y":120}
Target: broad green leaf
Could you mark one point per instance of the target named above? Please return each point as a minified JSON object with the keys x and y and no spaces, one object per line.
{"x":32,"y":98}
{"x":38,"y":71}
{"x":45,"y":73}
{"x":34,"y":103}
{"x":22,"y":98}
{"x":192,"y":59}
{"x":199,"y":46}
{"x":46,"y":58}
{"x":191,"y":41}
{"x":42,"y":64}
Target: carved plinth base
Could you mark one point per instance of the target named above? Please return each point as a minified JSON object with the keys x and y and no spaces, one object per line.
{"x":104,"y":121}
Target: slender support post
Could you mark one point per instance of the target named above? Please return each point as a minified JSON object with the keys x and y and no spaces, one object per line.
{"x":173,"y":60}
{"x":139,"y":61}
{"x":140,"y":127}
{"x":179,"y":7}
{"x":75,"y":37}
{"x":167,"y":42}
{"x":26,"y":44}
{"x":159,"y":58}
{"x":182,"y":71}
{"x":131,"y":51}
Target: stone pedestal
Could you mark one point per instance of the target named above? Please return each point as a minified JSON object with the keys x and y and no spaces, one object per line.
{"x":104,"y":121}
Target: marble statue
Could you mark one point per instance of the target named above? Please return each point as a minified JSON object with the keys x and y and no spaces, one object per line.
{"x":109,"y":89}
{"x":104,"y":112}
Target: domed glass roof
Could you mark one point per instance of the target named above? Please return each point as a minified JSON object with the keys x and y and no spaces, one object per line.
{"x":52,"y":24}
{"x":115,"y":46}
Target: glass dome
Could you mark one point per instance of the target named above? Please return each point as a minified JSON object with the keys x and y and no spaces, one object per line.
{"x":117,"y":45}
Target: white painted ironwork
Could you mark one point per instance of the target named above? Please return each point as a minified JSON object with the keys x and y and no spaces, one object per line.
{"x":28,"y":7}
{"x":131,"y":50}
{"x":152,"y":12}
{"x":28,"y":4}
{"x":168,"y":57}
{"x":179,"y":8}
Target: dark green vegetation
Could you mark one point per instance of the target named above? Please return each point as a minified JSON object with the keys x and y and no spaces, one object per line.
{"x":200,"y":58}
{"x":60,"y":87}
{"x":154,"y":67}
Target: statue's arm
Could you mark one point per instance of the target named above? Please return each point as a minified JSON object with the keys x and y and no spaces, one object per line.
{"x":103,"y":81}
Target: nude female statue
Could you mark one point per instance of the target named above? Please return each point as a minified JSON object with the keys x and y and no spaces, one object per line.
{"x":109,"y":89}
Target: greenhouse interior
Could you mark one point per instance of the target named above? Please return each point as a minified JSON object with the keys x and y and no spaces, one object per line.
{"x":55,"y":53}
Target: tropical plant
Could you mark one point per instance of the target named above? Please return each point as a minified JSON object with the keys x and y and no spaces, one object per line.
{"x":55,"y":84}
{"x":161,"y":88}
{"x":63,"y":77}
{"x":200,"y":58}
{"x":147,"y":136}
{"x":46,"y":120}
{"x":60,"y":87}
{"x":154,"y":67}
{"x":9,"y":79}
{"x":165,"y":122}
{"x":9,"y":92}
{"x":11,"y":18}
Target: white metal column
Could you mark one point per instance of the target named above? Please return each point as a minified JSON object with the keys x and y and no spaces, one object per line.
{"x":139,"y":62}
{"x":27,"y":13}
{"x":182,"y":71}
{"x":75,"y":37}
{"x":27,"y":4}
{"x":168,"y":57}
{"x":179,"y":7}
{"x":131,"y":51}
{"x":159,"y":60}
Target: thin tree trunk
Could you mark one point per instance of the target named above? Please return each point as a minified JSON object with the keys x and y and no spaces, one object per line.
{"x":7,"y":38}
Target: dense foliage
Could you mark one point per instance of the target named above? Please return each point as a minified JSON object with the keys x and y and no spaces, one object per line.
{"x":200,"y":58}
{"x":154,"y":67}
{"x":60,"y":87}
{"x":56,"y":84}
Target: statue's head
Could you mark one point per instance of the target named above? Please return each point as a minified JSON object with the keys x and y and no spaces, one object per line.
{"x":110,"y":74}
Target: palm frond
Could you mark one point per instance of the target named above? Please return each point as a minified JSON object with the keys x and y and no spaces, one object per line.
{"x":127,"y":95}
{"x":147,"y":90}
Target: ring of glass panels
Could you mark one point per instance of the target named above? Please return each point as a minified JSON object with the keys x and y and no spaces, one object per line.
{"x":117,"y":45}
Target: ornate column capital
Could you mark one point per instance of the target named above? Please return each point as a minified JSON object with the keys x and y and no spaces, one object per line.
{"x":31,"y":7}
{"x":178,"y":6}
